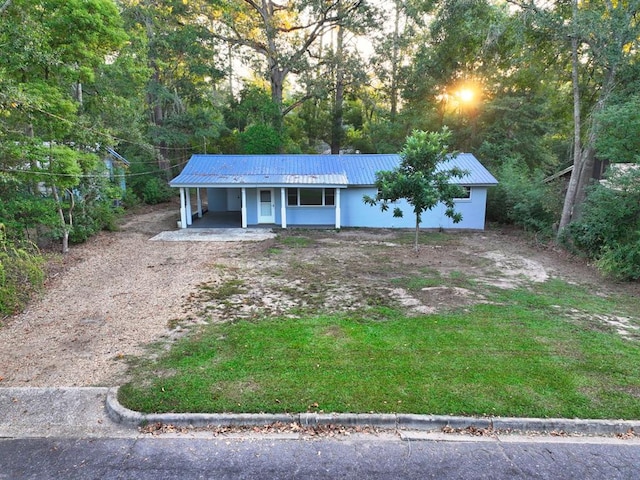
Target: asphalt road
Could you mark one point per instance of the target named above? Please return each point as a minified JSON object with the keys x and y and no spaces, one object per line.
{"x":66,"y":434}
{"x":326,"y":458}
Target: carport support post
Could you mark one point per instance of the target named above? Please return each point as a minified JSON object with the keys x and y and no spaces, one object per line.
{"x":337,"y":208}
{"x":244,"y":207}
{"x":283,"y":207}
{"x":183,"y":209}
{"x":199,"y":202}
{"x":188,"y":203}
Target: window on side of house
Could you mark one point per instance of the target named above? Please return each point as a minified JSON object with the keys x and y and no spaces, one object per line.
{"x":467,"y":193}
{"x":330,"y":196}
{"x":310,"y":196}
{"x":315,"y":197}
{"x":292,"y":196}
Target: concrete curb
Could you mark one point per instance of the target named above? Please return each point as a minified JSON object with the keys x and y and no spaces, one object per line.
{"x":123,"y":415}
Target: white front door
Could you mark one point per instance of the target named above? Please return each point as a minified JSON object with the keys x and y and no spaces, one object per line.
{"x":266,"y":207}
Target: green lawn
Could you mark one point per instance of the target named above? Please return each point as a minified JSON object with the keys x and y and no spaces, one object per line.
{"x":531,"y":352}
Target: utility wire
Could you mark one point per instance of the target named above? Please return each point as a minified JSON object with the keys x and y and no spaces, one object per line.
{"x":44,"y":173}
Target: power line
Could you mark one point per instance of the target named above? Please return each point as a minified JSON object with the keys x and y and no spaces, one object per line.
{"x":70,"y":175}
{"x":146,"y":146}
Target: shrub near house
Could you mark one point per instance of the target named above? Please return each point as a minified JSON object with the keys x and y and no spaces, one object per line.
{"x":609,"y":228}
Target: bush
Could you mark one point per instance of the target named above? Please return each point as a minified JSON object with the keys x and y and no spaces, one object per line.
{"x":621,"y":261}
{"x":607,"y":216}
{"x":94,"y":218}
{"x":21,"y":274}
{"x":130,"y":200}
{"x":260,"y":139}
{"x":522,"y":198}
{"x":609,"y":229}
{"x":156,"y":191}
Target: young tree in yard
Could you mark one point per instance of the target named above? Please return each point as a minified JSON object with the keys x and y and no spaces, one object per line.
{"x":421,"y":178}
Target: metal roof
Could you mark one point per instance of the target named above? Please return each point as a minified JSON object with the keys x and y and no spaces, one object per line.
{"x":477,"y":173}
{"x":117,"y":156}
{"x":320,"y":170}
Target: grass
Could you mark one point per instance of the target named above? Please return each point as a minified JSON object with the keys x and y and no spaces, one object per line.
{"x":426,"y":237}
{"x":428,"y":279}
{"x":518,"y":356}
{"x":221,"y":292}
{"x":296,"y":241}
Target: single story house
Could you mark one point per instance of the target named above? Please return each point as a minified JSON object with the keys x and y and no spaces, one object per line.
{"x":314,"y":190}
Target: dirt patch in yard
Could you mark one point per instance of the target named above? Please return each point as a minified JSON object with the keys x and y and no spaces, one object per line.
{"x":111,"y":297}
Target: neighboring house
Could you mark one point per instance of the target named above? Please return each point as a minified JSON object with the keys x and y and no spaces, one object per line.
{"x":622,"y":176}
{"x":116,"y":165}
{"x":314,"y":190}
{"x":603,"y":170}
{"x":599,"y":167}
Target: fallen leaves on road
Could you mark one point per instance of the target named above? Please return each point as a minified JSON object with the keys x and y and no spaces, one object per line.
{"x":470,"y":430}
{"x":322,"y":430}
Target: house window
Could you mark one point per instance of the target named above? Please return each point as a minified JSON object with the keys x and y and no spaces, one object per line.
{"x":311,"y":197}
{"x":467,"y":194}
{"x":292,"y":196}
{"x":329,"y":196}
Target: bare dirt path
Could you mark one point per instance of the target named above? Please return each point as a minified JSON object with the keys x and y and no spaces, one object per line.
{"x":112,"y":295}
{"x":119,"y":292}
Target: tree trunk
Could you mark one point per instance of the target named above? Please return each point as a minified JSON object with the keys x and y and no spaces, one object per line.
{"x":589,"y":149}
{"x":4,"y":6}
{"x":230,"y":67}
{"x":336,"y":124}
{"x":63,"y":223}
{"x":276,"y":78}
{"x":157,"y":118}
{"x":417,"y":233}
{"x":584,"y":155}
{"x":569,"y":199}
{"x":77,"y":93}
{"x":395,"y":53}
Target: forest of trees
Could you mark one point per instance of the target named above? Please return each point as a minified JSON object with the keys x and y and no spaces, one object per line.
{"x":531,"y":87}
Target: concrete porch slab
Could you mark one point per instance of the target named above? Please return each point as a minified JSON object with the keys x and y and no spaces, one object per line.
{"x":215,"y":235}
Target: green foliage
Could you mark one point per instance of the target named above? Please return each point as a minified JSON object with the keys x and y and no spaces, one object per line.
{"x":516,"y":127}
{"x":21,"y":273}
{"x":381,"y":136}
{"x":156,"y":191}
{"x":94,"y":218}
{"x":260,"y":138}
{"x":621,"y":261}
{"x":254,"y":107}
{"x":620,"y":123}
{"x":418,"y":178}
{"x":26,"y":216}
{"x":146,"y":183}
{"x":522,"y":198}
{"x":609,"y":228}
{"x":130,"y":200}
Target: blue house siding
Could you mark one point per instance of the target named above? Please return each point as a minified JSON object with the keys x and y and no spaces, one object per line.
{"x":359,"y":214}
{"x":311,"y":215}
{"x":227,"y":178}
{"x":217,"y":200}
